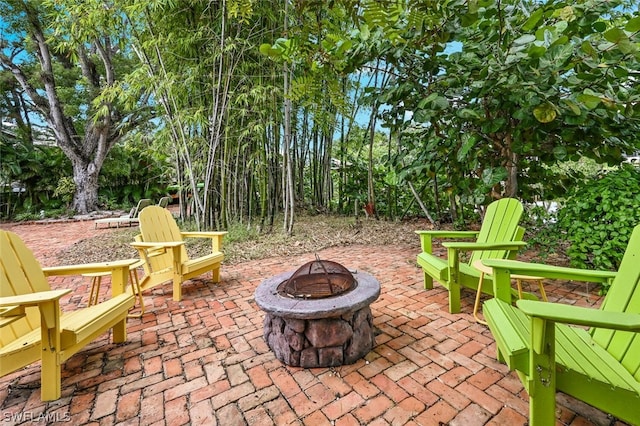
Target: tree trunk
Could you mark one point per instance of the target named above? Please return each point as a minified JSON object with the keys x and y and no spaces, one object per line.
{"x":85,"y":176}
{"x":511,"y":164}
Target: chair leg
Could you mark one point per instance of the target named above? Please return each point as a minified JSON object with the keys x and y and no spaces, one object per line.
{"x":454,"y":297}
{"x":95,"y":290}
{"x":542,"y":375}
{"x":543,"y":293}
{"x":476,"y":305}
{"x":136,"y":290}
{"x":428,"y":281}
{"x":50,"y":376}
{"x":177,"y":288}
{"x":50,"y":369}
{"x":519,"y":284}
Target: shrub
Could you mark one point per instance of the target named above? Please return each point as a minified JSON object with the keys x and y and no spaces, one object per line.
{"x":65,"y":189}
{"x":598,"y":218}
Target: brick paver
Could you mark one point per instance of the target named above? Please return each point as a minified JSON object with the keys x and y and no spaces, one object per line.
{"x":204,"y":361}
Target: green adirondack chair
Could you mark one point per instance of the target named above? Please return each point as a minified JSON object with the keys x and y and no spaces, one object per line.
{"x":499,"y":237}
{"x":600,"y":366}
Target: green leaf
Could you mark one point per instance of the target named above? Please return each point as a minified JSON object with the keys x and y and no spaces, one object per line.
{"x":473,"y":7}
{"x":467,"y":144}
{"x":587,"y":48}
{"x":441,"y":102}
{"x":266,"y":49}
{"x":365,"y":33}
{"x":525,"y":39}
{"x":626,"y":46}
{"x":599,"y":26}
{"x":467,"y":113}
{"x":615,"y":35}
{"x":633,"y":25}
{"x":562,"y":41}
{"x":545,"y":113}
{"x":590,"y":101}
{"x":468,"y":19}
{"x":560,"y":152}
{"x":575,"y":108}
{"x":621,"y":72}
{"x":533,"y":20}
{"x":492,"y":176}
{"x":423,"y":103}
{"x":566,"y":14}
{"x":536,"y":51}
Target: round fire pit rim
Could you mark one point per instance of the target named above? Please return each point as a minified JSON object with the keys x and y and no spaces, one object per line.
{"x":269,"y":300}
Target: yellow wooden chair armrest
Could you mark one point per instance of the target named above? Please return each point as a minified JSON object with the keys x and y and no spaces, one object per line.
{"x":33,"y":299}
{"x":203,"y":234}
{"x":149,"y":250}
{"x":118,"y":269}
{"x":216,"y":237}
{"x":46,"y":301}
{"x":88,"y":268}
{"x":165,"y":244}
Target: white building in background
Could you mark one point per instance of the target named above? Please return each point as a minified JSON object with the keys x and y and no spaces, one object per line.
{"x":42,"y":135}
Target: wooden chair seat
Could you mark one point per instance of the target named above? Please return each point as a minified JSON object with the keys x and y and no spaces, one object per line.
{"x":195,"y":266}
{"x":76,"y":327}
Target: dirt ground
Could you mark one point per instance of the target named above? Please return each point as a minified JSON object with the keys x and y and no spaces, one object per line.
{"x":311,"y":234}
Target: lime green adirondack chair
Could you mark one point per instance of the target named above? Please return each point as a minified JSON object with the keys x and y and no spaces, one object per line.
{"x":600,"y":366}
{"x":499,"y":237}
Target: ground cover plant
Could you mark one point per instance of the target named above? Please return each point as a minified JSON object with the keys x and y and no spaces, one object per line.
{"x":598,"y":216}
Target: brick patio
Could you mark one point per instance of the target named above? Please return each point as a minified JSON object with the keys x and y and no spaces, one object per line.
{"x":204,"y":360}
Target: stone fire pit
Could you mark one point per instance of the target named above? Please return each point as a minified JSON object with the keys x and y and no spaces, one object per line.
{"x":321,"y":332}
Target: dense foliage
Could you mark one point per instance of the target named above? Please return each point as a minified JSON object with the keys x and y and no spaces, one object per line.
{"x":393,"y":108}
{"x":598,"y":216}
{"x":130,"y":172}
{"x":28,"y":190}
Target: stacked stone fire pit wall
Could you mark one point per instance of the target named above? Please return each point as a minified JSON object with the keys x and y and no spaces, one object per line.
{"x":326,"y":342}
{"x":324,"y":332}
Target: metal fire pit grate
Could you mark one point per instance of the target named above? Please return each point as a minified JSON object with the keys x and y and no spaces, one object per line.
{"x":318,"y":279}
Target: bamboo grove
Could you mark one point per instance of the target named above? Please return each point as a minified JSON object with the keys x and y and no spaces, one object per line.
{"x":251,"y":136}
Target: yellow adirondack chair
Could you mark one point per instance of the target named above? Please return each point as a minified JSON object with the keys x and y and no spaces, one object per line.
{"x":600,"y":366}
{"x":161,"y":245}
{"x":499,"y":237}
{"x":33,"y":328}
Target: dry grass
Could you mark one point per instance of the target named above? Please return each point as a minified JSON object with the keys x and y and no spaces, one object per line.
{"x":311,"y":233}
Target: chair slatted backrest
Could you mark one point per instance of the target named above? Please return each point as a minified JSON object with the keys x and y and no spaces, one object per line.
{"x":142,"y":204}
{"x":20,"y":273}
{"x":164,"y":201}
{"x":158,"y":225}
{"x":624,"y":296}
{"x":500,"y":224}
